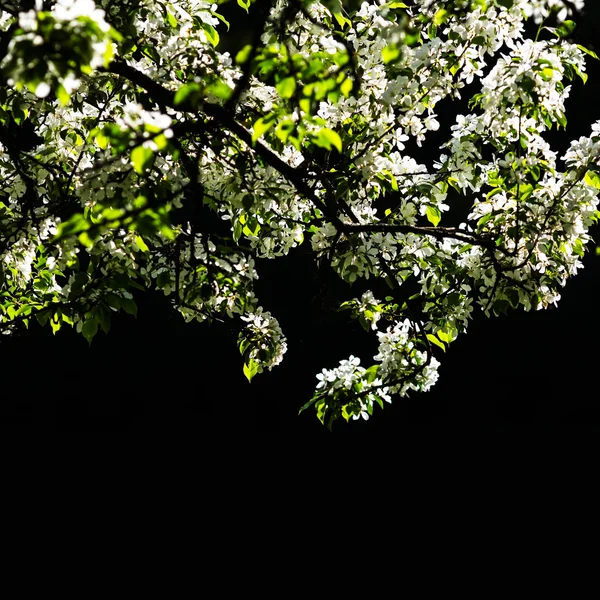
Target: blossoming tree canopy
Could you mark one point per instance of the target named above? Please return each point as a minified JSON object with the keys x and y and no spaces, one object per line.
{"x":136,"y":154}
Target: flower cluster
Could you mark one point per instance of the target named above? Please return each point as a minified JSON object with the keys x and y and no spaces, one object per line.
{"x":348,"y":390}
{"x":72,"y":27}
{"x":262,"y":342}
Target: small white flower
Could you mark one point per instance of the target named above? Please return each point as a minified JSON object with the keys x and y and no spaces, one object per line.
{"x":42,"y":89}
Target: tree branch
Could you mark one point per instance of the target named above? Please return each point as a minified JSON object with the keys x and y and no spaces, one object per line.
{"x":436,"y":232}
{"x":167,"y":98}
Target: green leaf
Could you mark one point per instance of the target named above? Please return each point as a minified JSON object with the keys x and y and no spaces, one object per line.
{"x":113,"y":301}
{"x":582,"y":75}
{"x":89,"y":329}
{"x":252,"y":227}
{"x":161,"y":141}
{"x":261,"y":126}
{"x":244,"y":5}
{"x":250,"y":369}
{"x":139,"y":242}
{"x":286,"y":88}
{"x":219,"y":89}
{"x":495,"y":191}
{"x":590,"y":52}
{"x":151,"y":53}
{"x":347,"y":415}
{"x":592,"y":179}
{"x":129,"y":306}
{"x":43,"y":316}
{"x":86,"y":239}
{"x":484,"y":219}
{"x":346,"y":87}
{"x":102,"y":140}
{"x":221,"y":18}
{"x":306,"y":105}
{"x":171,"y":20}
{"x":140,"y":201}
{"x":284,"y":129}
{"x":371,"y":373}
{"x":110,"y":214}
{"x":566,"y":28}
{"x":211,"y":34}
{"x":434,"y":340}
{"x":141,"y":158}
{"x":342,"y":21}
{"x":433,"y":215}
{"x":80,"y":280}
{"x":55,"y":322}
{"x":76,"y":224}
{"x":102,"y":313}
{"x":237,"y":231}
{"x":308,"y":404}
{"x":527,"y":84}
{"x":391,"y":53}
{"x":321,"y":407}
{"x":440,"y":16}
{"x":243,"y":55}
{"x":326,"y":138}
{"x":62,"y":94}
{"x":445,"y":337}
{"x":363,"y":322}
{"x":189,"y":93}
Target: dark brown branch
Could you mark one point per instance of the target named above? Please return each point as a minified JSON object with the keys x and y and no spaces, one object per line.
{"x":436,"y":232}
{"x":166,"y":97}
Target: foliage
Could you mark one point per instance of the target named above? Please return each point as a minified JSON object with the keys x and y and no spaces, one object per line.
{"x":135,"y":154}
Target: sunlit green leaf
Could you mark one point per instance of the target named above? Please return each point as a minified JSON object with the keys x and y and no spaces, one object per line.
{"x":171,"y":20}
{"x":139,"y":242}
{"x":101,"y":140}
{"x":286,"y":87}
{"x":433,"y":215}
{"x":592,"y":179}
{"x":211,"y":33}
{"x":434,"y":340}
{"x":440,"y":16}
{"x":587,"y":51}
{"x":327,"y":138}
{"x":261,"y":126}
{"x":243,"y":55}
{"x":346,"y":87}
{"x":342,"y":21}
{"x":86,"y":239}
{"x":566,"y":28}
{"x":250,"y":369}
{"x":76,"y":224}
{"x":141,"y":158}
{"x":444,"y":336}
{"x":391,"y":53}
{"x":219,"y":89}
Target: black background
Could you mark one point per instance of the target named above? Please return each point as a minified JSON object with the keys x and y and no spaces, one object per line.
{"x":158,"y":374}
